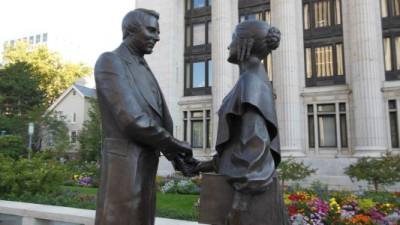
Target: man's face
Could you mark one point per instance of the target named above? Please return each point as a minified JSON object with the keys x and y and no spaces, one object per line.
{"x":146,"y":36}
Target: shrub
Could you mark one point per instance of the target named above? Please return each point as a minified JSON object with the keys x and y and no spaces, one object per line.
{"x":66,"y":198}
{"x":30,"y":177}
{"x":320,"y":189}
{"x":289,"y":169}
{"x":181,"y":185}
{"x":376,"y":171}
{"x":12,"y":146}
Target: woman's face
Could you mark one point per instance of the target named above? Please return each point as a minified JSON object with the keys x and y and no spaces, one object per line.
{"x":233,"y":50}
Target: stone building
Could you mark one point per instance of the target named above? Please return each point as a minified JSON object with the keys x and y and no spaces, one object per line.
{"x":336,"y":74}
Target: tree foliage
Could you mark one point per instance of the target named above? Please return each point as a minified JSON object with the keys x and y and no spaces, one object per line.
{"x":54,"y":74}
{"x":32,"y":78}
{"x":30,"y":177}
{"x":289,"y":169}
{"x":90,"y":135}
{"x":376,"y":171}
{"x":54,"y":130}
{"x":20,"y":97}
{"x":12,"y":146}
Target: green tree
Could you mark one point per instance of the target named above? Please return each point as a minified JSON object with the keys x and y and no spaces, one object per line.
{"x":54,"y":130}
{"x":376,"y":171}
{"x":54,"y":74}
{"x":20,"y":97}
{"x":30,"y":177}
{"x":289,"y":169}
{"x":90,"y":135}
{"x":12,"y":146}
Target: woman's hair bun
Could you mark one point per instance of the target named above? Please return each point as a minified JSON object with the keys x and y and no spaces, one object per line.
{"x":273,"y":38}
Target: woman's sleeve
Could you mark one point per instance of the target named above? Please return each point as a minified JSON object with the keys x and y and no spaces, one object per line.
{"x":253,"y":157}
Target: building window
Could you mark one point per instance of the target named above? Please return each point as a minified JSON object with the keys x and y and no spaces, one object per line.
{"x":209,"y":75}
{"x":198,"y":122}
{"x":390,"y":8}
{"x":188,"y":36}
{"x":31,"y":40}
{"x":198,"y":34}
{"x":323,"y":41}
{"x":209,"y":32}
{"x":326,"y":125}
{"x":390,"y":11}
{"x":254,"y":10}
{"x":394,"y":128}
{"x":311,"y":128}
{"x":185,"y":124}
{"x":391,"y":49}
{"x":44,"y":37}
{"x":37,"y":38}
{"x":197,"y":4}
{"x":322,"y":121}
{"x":74,"y":136}
{"x":74,"y":118}
{"x":198,"y":77}
{"x":321,"y":13}
{"x":324,"y":65}
{"x":197,"y":129}
{"x":343,"y":125}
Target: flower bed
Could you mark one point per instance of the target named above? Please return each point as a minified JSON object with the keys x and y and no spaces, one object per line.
{"x":341,"y":208}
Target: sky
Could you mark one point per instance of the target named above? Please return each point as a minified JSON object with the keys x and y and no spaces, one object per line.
{"x":94,"y":26}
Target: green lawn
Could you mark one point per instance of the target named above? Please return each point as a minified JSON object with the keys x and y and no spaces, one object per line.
{"x":175,"y":206}
{"x":82,"y":190}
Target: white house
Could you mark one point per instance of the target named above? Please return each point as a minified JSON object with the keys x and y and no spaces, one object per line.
{"x":74,"y":106}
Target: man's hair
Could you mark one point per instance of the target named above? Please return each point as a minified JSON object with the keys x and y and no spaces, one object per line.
{"x":133,"y":20}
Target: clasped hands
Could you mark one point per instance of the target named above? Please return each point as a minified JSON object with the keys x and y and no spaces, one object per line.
{"x":180,"y":153}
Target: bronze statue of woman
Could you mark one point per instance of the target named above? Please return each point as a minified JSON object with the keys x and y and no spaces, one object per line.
{"x":247,"y":145}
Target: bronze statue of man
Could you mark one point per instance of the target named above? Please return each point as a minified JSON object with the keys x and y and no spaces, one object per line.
{"x":137,"y":126}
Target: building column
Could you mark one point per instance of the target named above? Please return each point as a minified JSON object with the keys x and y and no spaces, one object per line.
{"x":224,"y":17}
{"x":363,"y":33}
{"x":288,"y":71}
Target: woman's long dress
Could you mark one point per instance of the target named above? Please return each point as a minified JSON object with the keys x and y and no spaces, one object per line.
{"x":248,"y":148}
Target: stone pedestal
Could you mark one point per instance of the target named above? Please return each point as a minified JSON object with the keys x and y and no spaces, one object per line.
{"x":225,"y":16}
{"x":216,"y":201}
{"x":288,"y":71}
{"x":363,"y":32}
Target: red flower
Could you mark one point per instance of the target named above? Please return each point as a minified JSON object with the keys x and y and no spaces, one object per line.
{"x":292,"y":210}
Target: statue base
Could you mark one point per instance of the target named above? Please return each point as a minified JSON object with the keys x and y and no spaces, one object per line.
{"x":216,"y":201}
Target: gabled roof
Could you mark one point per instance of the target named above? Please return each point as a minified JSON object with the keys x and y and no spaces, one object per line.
{"x":82,"y":90}
{"x":85,"y":91}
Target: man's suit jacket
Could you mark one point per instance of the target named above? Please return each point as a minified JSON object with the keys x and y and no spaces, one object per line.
{"x":136,"y":122}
